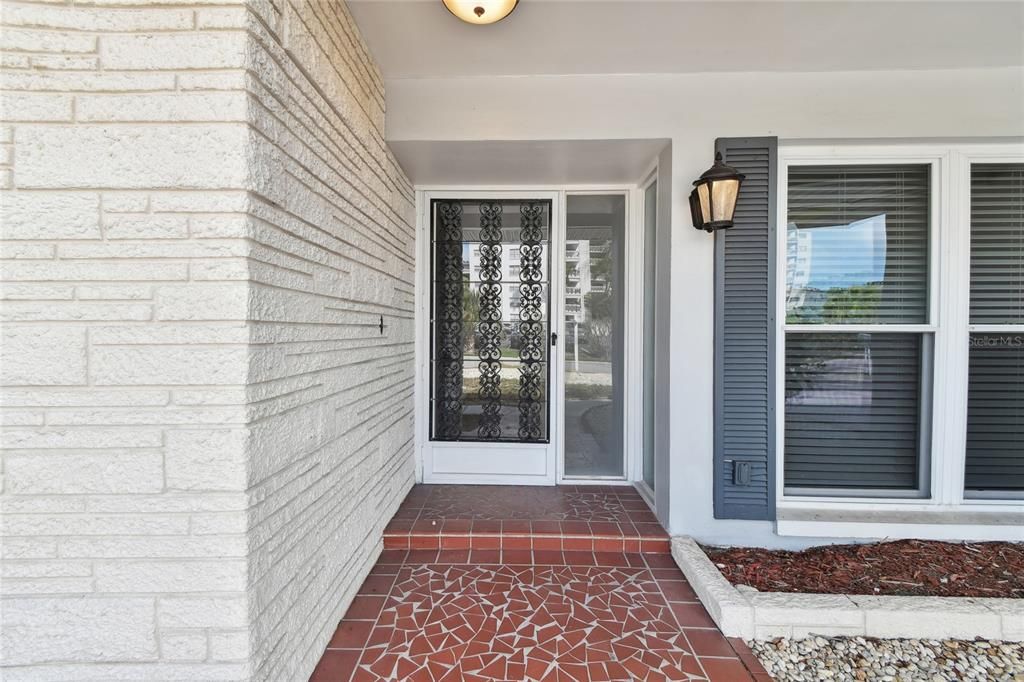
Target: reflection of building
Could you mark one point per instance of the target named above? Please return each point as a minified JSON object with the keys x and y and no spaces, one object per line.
{"x":825,"y":259}
{"x":580,"y":257}
{"x":510,"y":270}
{"x":798,"y":266}
{"x":577,"y":279}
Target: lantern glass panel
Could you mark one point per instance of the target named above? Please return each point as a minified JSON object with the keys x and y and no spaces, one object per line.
{"x":723,"y":195}
{"x":703,"y":193}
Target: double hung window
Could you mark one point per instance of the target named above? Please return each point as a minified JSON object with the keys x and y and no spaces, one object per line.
{"x":901,"y":323}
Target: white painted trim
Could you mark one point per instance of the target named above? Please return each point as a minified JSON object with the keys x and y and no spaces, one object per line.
{"x":633,"y":391}
{"x":949,"y":304}
{"x":962,"y":176}
{"x":873,"y":530}
{"x":650,"y":178}
{"x":426,"y":449}
{"x":745,"y":612}
{"x":429,"y":450}
{"x":632,"y":272}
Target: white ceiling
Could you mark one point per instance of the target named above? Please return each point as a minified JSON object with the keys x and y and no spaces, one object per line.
{"x":527,"y":162}
{"x":420,"y":39}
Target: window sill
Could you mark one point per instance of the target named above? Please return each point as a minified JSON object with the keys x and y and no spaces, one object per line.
{"x":903,"y":521}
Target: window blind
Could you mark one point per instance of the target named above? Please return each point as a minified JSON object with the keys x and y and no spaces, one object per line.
{"x":857,"y":244}
{"x":853,"y":410}
{"x":995,"y":413}
{"x":995,"y":386}
{"x":997,"y":243}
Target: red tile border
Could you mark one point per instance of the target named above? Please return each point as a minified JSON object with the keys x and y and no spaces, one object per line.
{"x":726,"y":670}
{"x":421,"y":523}
{"x":351,"y":634}
{"x":335,"y":665}
{"x":512,"y":542}
{"x":691,"y":615}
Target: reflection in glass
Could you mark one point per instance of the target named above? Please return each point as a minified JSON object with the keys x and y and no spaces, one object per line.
{"x":853,"y":410}
{"x":857,"y":244}
{"x":594,"y":316}
{"x":997,"y":243}
{"x":995,"y":413}
{"x":489,"y":321}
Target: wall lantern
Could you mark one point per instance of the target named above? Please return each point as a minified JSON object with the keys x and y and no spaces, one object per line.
{"x":481,"y":11}
{"x":713,"y":199}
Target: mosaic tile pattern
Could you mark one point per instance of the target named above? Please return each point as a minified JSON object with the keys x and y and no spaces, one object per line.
{"x":562,"y":518}
{"x":637,"y":619}
{"x":557,"y":503}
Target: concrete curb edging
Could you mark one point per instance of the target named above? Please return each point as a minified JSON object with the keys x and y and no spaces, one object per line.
{"x":745,"y":612}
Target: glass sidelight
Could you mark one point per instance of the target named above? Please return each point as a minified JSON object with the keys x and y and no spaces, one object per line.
{"x":490,"y":332}
{"x":595,"y":261}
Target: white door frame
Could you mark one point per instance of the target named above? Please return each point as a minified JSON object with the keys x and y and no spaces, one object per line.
{"x":447,"y":462}
{"x":636,"y":330}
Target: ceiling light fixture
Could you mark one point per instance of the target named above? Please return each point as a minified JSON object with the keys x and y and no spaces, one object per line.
{"x":481,"y":11}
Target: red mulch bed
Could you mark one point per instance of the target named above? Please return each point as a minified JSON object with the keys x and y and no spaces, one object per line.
{"x":905,"y":567}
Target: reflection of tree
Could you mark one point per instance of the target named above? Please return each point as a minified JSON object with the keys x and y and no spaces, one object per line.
{"x":470,"y":316}
{"x":858,"y":303}
{"x":599,"y":306}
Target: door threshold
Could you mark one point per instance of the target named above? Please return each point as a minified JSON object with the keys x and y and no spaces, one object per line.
{"x":595,"y":481}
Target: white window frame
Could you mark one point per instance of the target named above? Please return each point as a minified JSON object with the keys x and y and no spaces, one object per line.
{"x":963,"y":160}
{"x":947,"y":322}
{"x":636,"y":440}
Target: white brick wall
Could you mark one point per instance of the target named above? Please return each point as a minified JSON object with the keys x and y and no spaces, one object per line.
{"x":204,"y":430}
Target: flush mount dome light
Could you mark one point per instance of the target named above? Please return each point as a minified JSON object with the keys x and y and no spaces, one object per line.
{"x":481,"y":11}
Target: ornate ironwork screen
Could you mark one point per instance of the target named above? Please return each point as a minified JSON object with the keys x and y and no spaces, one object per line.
{"x":489,"y":320}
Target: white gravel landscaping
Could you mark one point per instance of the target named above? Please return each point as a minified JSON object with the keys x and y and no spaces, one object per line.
{"x":890,"y":660}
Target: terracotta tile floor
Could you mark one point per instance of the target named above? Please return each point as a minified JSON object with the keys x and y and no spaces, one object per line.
{"x":548,"y":519}
{"x":476,"y":615}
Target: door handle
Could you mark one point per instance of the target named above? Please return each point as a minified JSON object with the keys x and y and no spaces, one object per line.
{"x":554,"y":338}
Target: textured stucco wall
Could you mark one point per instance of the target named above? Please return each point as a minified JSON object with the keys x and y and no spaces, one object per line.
{"x":204,"y":431}
{"x":330,"y":396}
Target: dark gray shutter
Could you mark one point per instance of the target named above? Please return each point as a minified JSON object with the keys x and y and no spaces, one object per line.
{"x":744,"y":455}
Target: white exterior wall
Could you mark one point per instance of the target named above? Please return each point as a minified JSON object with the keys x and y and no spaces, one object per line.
{"x":692,"y":110}
{"x":330,"y":396}
{"x":194,"y":236}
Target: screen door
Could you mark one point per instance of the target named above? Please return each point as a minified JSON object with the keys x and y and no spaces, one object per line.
{"x":491,"y":340}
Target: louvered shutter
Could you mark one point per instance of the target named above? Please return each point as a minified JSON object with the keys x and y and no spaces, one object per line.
{"x":744,"y":337}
